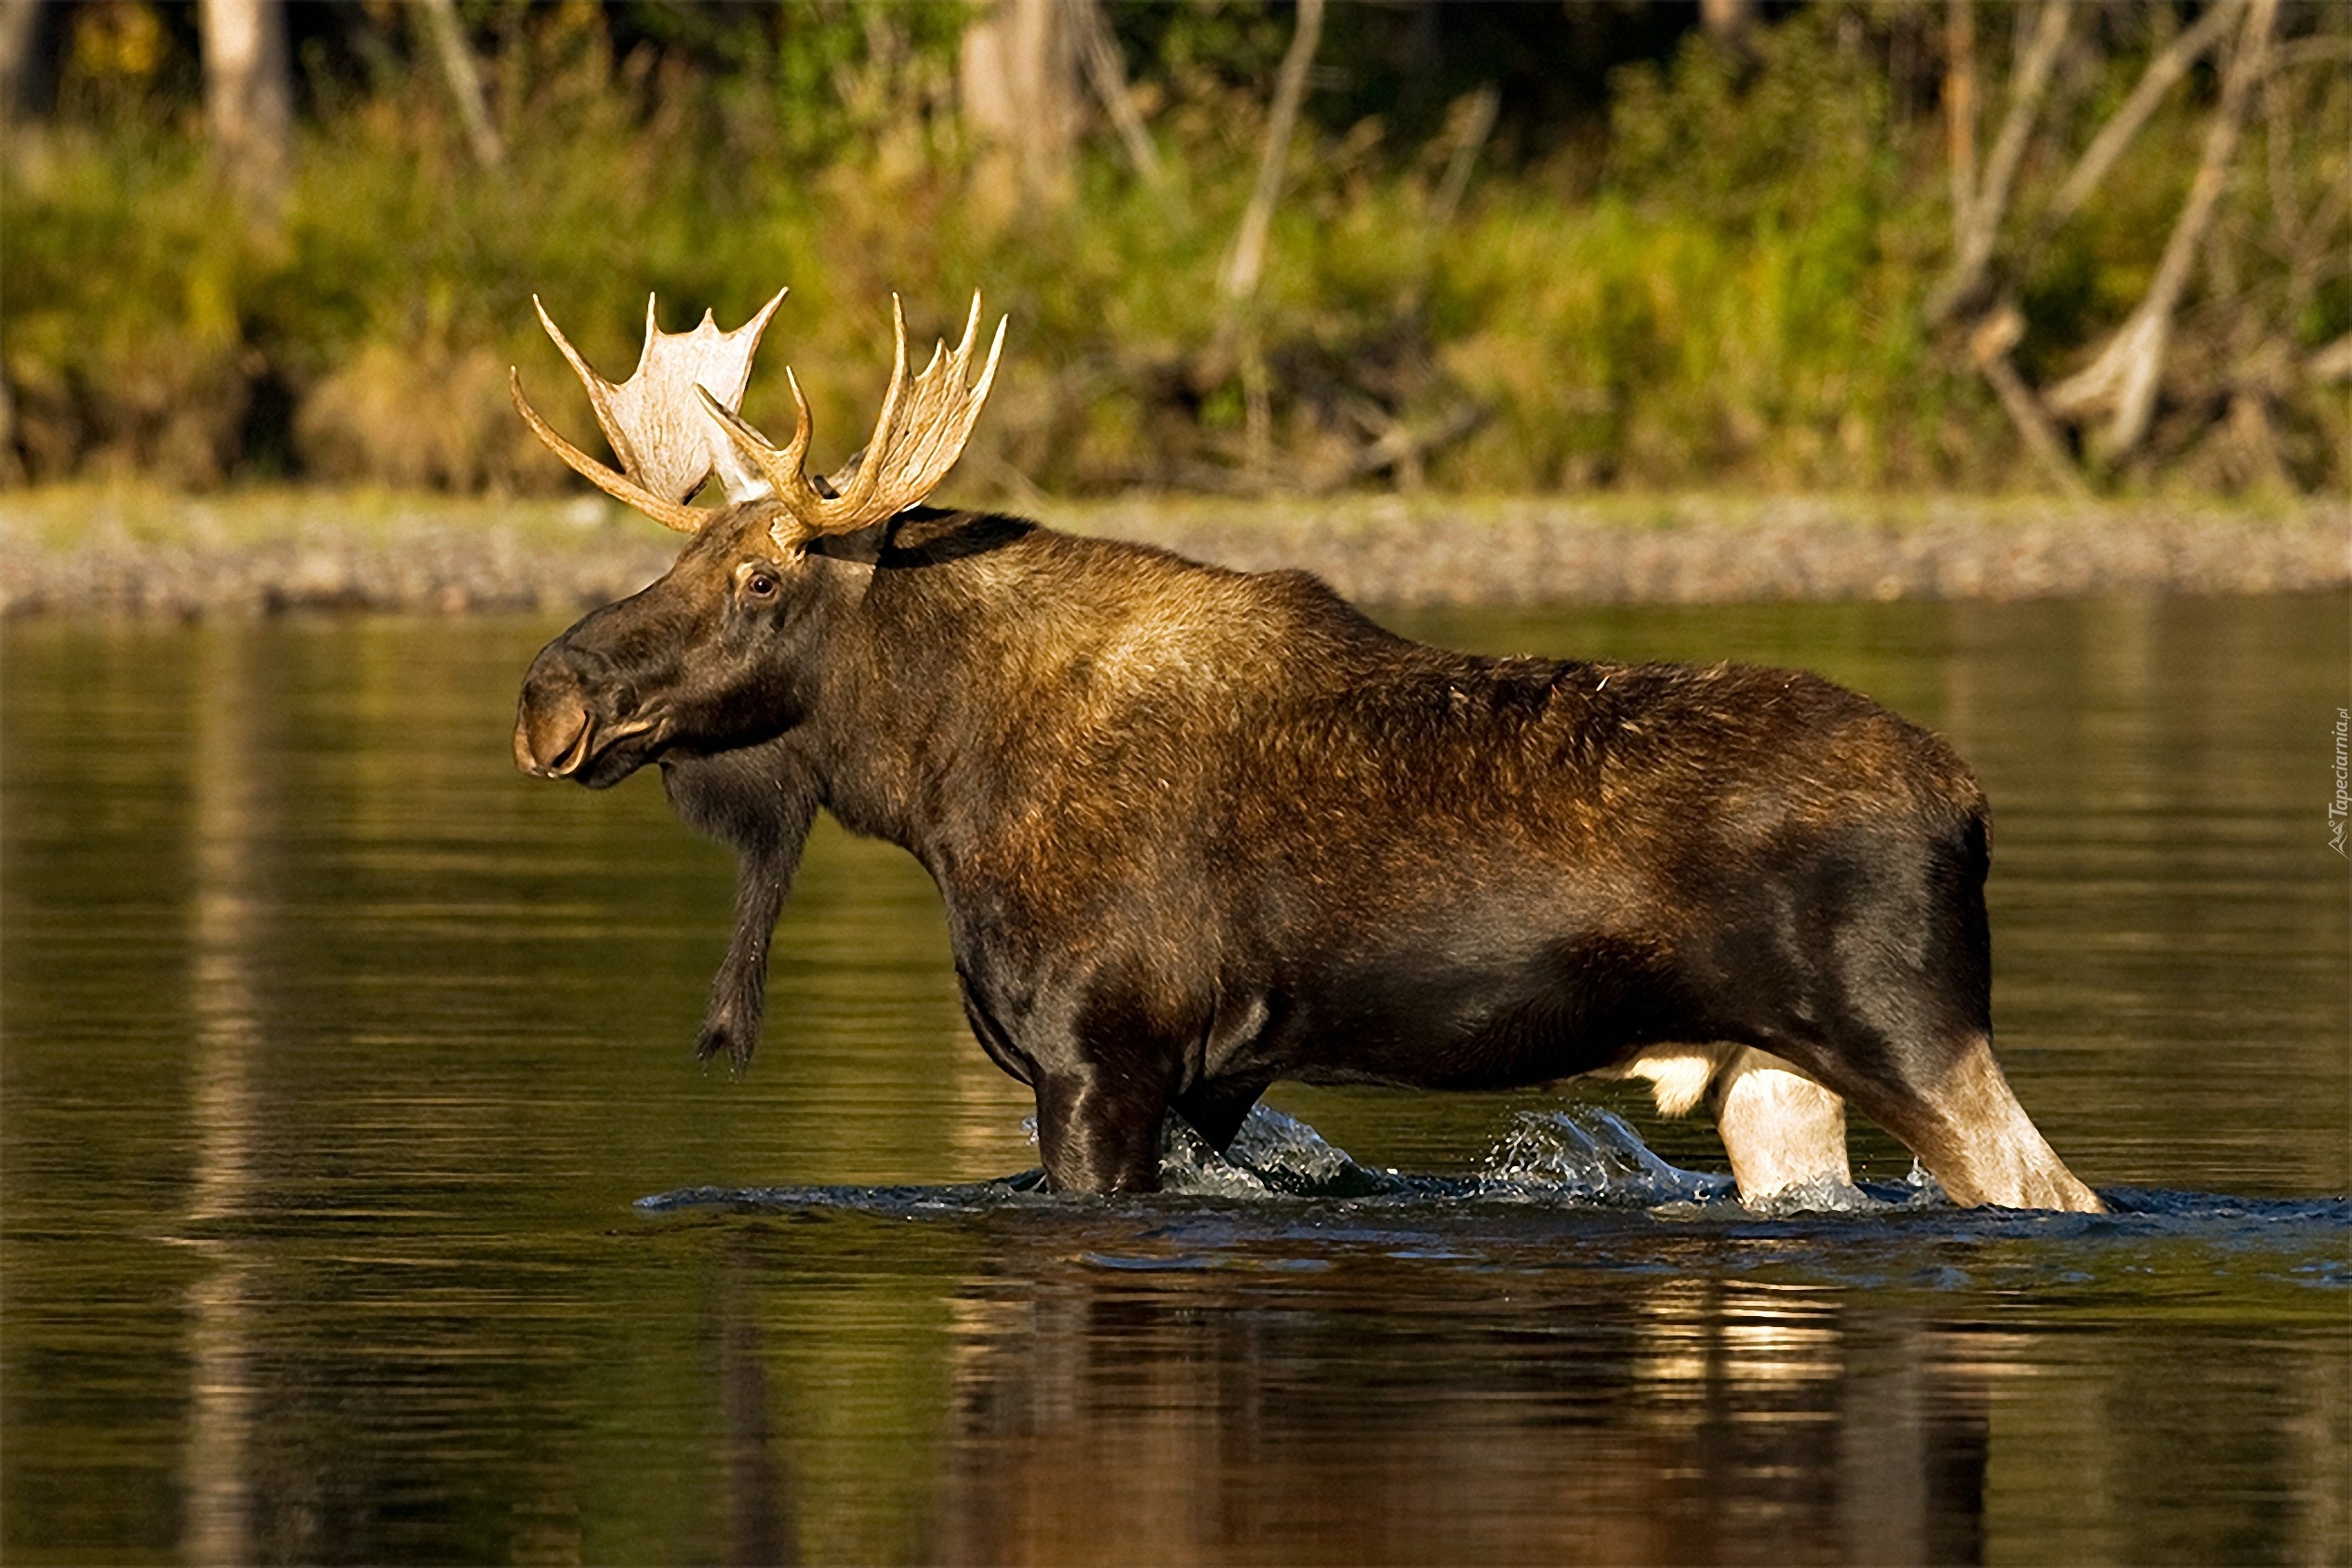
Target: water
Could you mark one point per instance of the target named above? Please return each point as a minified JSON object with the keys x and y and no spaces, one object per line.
{"x":362,"y":1201}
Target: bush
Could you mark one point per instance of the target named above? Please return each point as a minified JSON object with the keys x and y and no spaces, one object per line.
{"x":1723,"y":285}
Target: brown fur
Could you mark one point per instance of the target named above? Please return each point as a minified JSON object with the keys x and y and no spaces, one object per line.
{"x":1198,"y":829}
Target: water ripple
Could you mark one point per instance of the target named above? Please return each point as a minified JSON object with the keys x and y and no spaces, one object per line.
{"x":1283,"y":1199}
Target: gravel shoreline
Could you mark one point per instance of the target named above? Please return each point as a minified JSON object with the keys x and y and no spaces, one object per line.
{"x":138,"y":553}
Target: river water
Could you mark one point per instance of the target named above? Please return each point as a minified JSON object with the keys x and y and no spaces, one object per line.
{"x":361,"y":1200}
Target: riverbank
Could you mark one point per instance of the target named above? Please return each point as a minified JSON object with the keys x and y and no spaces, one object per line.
{"x":74,"y":550}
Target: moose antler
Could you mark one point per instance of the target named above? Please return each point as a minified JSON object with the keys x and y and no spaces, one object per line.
{"x":655,"y":427}
{"x":918,"y":438}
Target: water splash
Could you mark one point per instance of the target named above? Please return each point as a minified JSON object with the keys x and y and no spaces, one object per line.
{"x":1273,"y":1155}
{"x":1821,"y":1195}
{"x":1587,"y":1155}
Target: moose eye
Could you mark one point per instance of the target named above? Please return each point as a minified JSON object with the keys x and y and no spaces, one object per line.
{"x":760,"y":585}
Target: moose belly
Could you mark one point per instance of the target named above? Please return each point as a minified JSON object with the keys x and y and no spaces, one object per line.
{"x":1472,"y":1009}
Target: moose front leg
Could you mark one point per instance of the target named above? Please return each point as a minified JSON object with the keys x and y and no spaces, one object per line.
{"x":738,"y":993}
{"x":762,"y":800}
{"x":1099,"y":1128}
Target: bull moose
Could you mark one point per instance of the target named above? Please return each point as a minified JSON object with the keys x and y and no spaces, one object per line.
{"x":1198,"y":829}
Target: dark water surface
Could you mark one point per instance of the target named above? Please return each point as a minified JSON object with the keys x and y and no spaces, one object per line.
{"x":362,"y":1201}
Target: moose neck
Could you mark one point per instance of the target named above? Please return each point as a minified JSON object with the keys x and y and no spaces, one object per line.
{"x":923,"y":674}
{"x":985,"y":655}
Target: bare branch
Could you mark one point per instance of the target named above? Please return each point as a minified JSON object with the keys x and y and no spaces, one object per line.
{"x":2170,"y":65}
{"x":1990,"y":346}
{"x":2333,"y":362}
{"x":1104,"y":69}
{"x":1474,"y":122}
{"x":465,"y":82}
{"x":1238,"y":282}
{"x":1960,"y":111}
{"x":2124,"y":375}
{"x":2029,"y":84}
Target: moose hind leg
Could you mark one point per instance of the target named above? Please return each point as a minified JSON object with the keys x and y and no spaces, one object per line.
{"x":1968,"y":1129}
{"x":1781,"y":1129}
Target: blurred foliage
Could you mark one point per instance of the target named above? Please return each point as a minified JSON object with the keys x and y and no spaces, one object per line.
{"x":1679,"y":260}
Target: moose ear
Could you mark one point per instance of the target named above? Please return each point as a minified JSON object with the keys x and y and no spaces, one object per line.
{"x":654,"y":420}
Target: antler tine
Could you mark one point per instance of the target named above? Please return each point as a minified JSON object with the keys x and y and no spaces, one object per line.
{"x":599,"y":390}
{"x":863,"y":489}
{"x":936,"y":424}
{"x":785,"y":468}
{"x":954,"y":427}
{"x":920,"y":432}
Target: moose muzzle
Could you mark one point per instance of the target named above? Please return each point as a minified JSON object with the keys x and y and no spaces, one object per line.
{"x":555,"y":734}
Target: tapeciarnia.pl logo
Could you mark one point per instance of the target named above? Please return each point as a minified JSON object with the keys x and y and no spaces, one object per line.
{"x":2337,"y":807}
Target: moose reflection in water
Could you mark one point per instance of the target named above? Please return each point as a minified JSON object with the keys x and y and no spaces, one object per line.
{"x":1627,"y":1420}
{"x":1199,"y":830}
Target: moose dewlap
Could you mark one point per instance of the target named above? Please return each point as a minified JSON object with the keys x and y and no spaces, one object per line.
{"x":1198,"y":829}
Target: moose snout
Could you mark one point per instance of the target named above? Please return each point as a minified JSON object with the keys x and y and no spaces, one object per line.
{"x":551,"y":739}
{"x":553,"y":728}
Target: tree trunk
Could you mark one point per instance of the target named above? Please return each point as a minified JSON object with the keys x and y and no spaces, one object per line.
{"x":19,"y":38}
{"x":1019,"y":77}
{"x":249,"y":99}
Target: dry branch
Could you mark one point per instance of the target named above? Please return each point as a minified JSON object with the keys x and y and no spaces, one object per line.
{"x":2124,"y":375}
{"x":1959,"y":111}
{"x":1989,"y":347}
{"x":1099,"y":50}
{"x":1989,"y":205}
{"x":465,"y":82}
{"x":1473,"y":123}
{"x":1238,"y":282}
{"x":2169,"y":66}
{"x":2333,"y":362}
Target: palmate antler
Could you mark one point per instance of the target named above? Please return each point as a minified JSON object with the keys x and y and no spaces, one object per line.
{"x":666,"y":446}
{"x":660,"y":423}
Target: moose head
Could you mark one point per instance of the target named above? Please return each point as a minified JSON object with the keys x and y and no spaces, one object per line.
{"x":723,"y":651}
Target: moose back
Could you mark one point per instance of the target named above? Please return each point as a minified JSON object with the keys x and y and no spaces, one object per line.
{"x":1197,"y":830}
